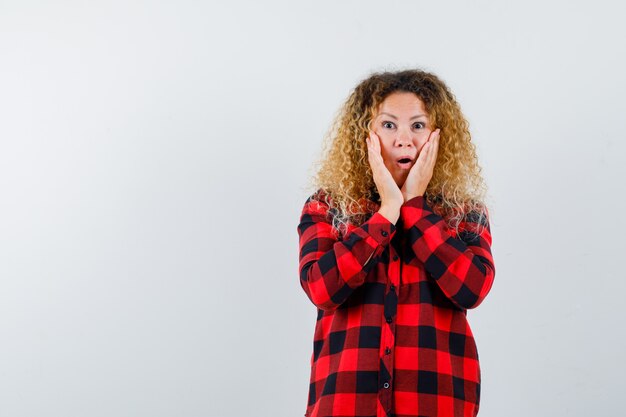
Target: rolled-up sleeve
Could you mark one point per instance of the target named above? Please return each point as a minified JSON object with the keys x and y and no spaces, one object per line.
{"x":462,"y":266}
{"x":330,"y":269}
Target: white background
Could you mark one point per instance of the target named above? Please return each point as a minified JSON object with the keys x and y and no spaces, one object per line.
{"x":153,"y":164}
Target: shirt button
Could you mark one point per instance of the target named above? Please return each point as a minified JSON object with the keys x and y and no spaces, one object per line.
{"x":386,"y":385}
{"x":384,"y":233}
{"x":387,"y":351}
{"x":388,"y":319}
{"x":395,"y":257}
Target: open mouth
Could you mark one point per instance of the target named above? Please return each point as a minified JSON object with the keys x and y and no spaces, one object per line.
{"x":404,"y":163}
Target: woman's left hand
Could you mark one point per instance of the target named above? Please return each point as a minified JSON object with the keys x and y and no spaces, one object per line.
{"x":422,"y":171}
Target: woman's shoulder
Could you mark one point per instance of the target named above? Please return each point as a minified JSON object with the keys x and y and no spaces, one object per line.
{"x":320,"y":195}
{"x":318,"y":202}
{"x":322,"y":199}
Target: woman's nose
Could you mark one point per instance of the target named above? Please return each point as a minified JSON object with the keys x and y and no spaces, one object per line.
{"x":404,"y":139}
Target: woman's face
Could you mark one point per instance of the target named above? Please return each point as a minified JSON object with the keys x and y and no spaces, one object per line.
{"x":403,"y":127}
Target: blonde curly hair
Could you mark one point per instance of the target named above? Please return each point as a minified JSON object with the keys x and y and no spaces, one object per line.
{"x":344,"y":178}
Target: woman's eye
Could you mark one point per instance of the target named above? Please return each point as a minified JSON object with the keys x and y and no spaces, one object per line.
{"x":419,"y":125}
{"x":388,"y":125}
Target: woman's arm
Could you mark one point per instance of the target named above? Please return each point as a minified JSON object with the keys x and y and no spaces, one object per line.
{"x":463,"y":267}
{"x":331,"y":269}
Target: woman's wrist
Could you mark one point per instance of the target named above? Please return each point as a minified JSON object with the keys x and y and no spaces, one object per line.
{"x":408,"y":197}
{"x":390,"y":212}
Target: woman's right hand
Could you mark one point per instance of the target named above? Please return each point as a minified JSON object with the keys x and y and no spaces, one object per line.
{"x":391,"y":198}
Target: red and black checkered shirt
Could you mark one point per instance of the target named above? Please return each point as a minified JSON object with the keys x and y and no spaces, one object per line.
{"x":392,"y":336}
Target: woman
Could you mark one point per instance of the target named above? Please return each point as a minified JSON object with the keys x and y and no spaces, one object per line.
{"x":395,"y":247}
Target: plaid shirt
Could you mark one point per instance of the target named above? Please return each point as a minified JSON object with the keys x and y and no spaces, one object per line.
{"x":391,"y":336}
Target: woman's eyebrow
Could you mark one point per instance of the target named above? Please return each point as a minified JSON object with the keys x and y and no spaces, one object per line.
{"x":394,"y":117}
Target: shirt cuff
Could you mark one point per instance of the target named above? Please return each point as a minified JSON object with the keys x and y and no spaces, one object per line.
{"x":416,"y":209}
{"x":417,"y":201}
{"x":381,"y":229}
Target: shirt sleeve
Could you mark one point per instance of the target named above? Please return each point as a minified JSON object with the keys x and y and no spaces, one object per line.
{"x":462,"y":266}
{"x":330,"y":269}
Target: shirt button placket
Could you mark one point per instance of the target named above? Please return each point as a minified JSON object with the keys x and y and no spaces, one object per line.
{"x":390,"y":310}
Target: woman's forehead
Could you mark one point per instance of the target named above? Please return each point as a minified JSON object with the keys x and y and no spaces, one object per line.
{"x":402,"y":99}
{"x":407,"y":107}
